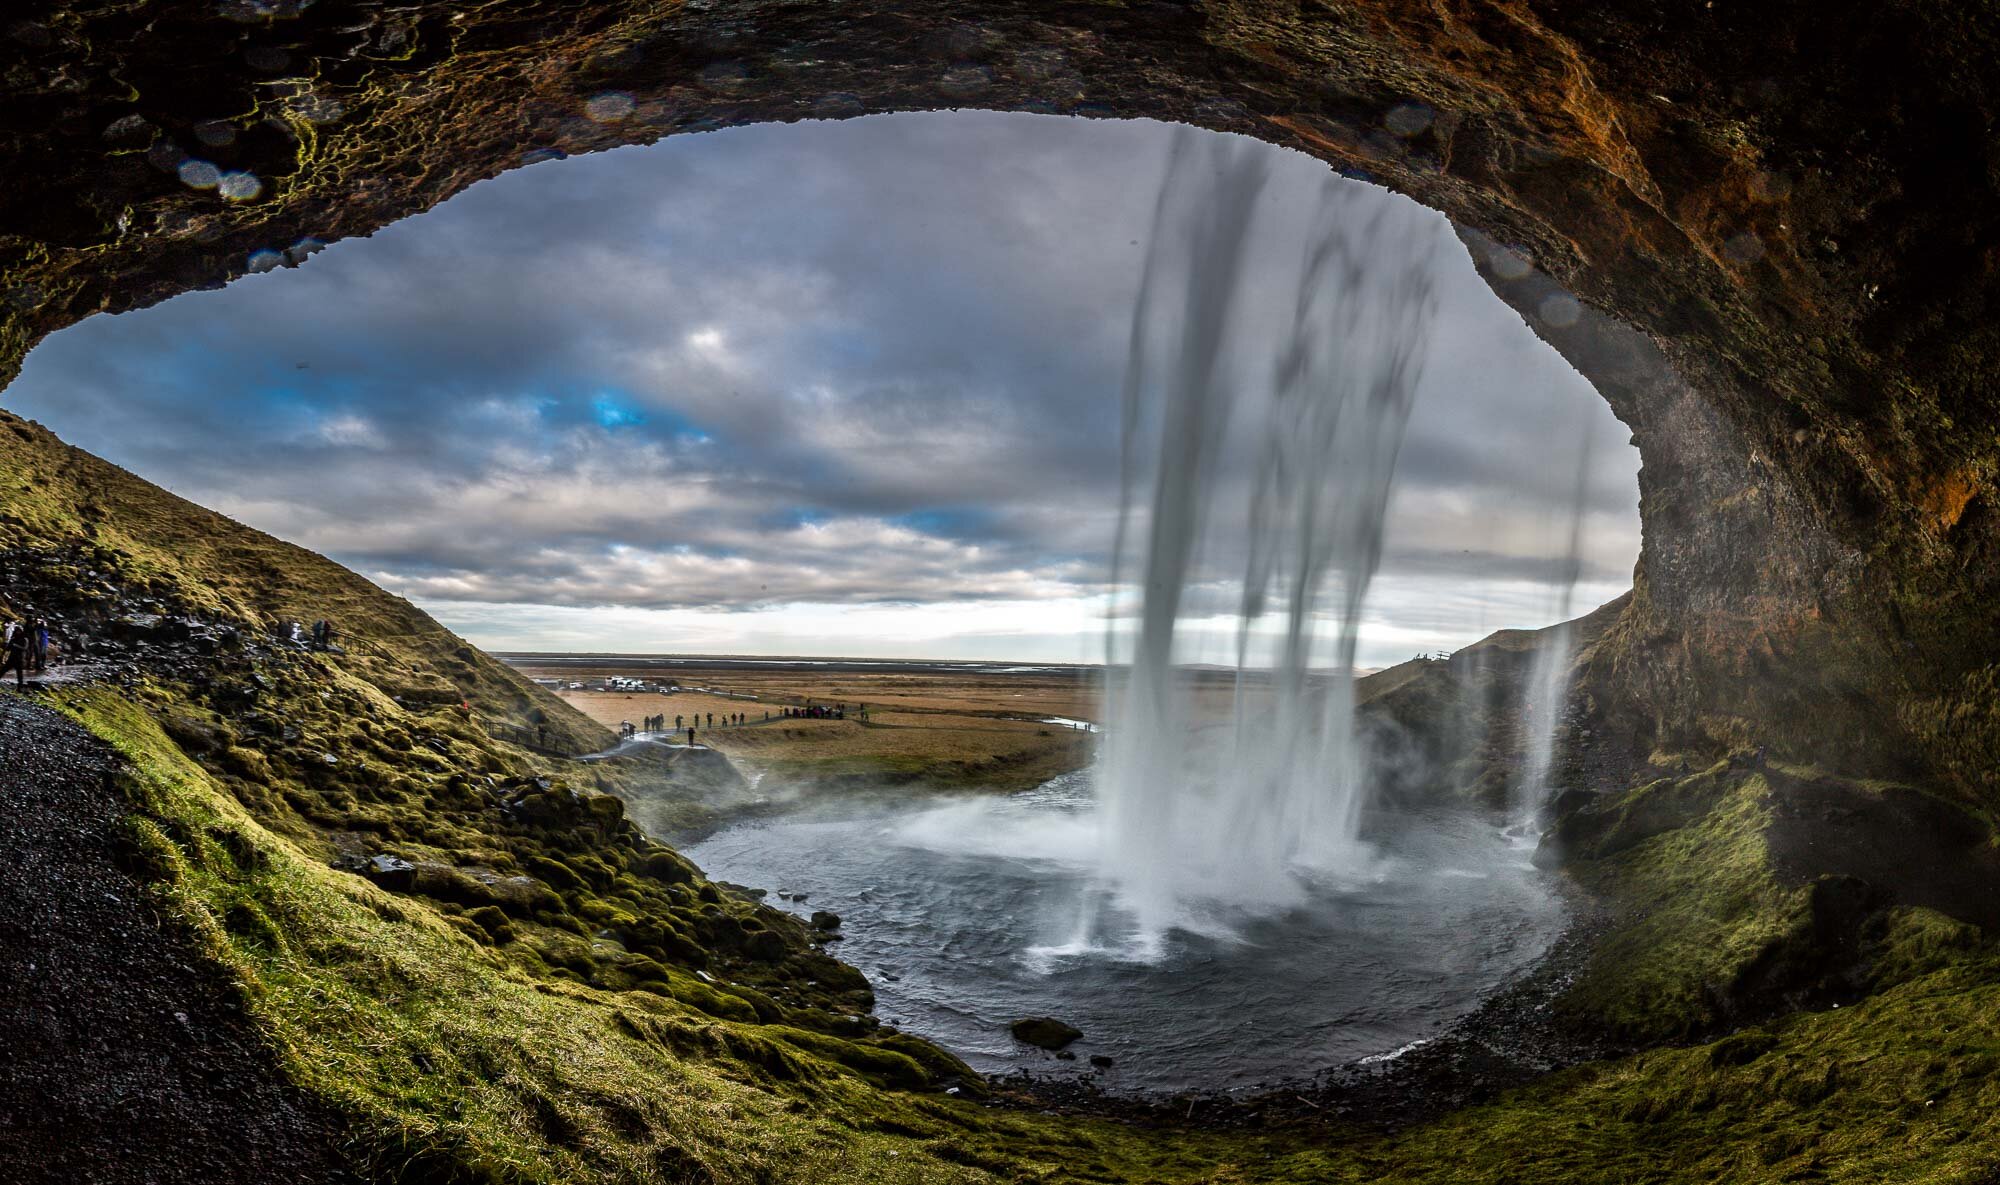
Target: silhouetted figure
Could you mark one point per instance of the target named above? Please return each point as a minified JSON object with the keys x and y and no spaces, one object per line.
{"x":16,"y":659}
{"x":690,"y":736}
{"x":38,"y":644}
{"x":711,"y":719}
{"x":677,"y":724}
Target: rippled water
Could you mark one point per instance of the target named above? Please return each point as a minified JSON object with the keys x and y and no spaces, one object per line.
{"x":964,"y":915}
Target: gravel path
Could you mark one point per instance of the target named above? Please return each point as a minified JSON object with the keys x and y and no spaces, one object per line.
{"x":122,"y":1059}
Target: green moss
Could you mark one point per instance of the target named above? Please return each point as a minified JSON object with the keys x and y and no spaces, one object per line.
{"x":1697,"y":904}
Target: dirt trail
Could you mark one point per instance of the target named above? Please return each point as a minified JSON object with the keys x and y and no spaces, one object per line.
{"x":122,"y":1057}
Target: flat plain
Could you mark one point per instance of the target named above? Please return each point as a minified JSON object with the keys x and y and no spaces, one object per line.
{"x":945,"y":726}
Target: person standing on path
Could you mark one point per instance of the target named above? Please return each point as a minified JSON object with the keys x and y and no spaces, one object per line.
{"x":16,"y":656}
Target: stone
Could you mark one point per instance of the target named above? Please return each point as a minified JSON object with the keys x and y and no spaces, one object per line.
{"x":822,"y":920}
{"x":1044,"y":1032}
{"x":391,"y":872}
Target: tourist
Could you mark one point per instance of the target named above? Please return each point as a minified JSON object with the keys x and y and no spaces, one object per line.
{"x":38,"y":644}
{"x":677,"y":724}
{"x":711,"y":719}
{"x":16,"y":659}
{"x":690,"y":736}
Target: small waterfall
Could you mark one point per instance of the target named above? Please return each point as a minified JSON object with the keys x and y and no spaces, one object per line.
{"x":1548,"y":677}
{"x":1217,"y":796}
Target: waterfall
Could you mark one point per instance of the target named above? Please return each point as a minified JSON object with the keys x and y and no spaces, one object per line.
{"x":1219,"y":795}
{"x":1548,"y":675}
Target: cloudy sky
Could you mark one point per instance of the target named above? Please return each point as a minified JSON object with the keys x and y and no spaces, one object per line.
{"x":829,"y":388}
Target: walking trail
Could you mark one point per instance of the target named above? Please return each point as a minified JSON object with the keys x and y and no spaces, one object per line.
{"x":123,"y":1058}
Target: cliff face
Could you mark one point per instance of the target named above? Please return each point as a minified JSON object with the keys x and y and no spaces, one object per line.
{"x":1768,"y":233}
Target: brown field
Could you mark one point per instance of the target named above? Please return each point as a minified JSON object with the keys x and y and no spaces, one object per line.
{"x":928,"y":725}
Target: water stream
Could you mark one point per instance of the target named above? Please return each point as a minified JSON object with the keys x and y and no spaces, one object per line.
{"x":1548,"y":678}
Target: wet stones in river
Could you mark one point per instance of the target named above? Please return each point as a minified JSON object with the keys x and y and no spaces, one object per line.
{"x":1044,"y":1032}
{"x":824,"y":921}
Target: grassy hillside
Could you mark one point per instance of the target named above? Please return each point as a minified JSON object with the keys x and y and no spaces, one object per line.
{"x":107,"y":547}
{"x":498,"y":978}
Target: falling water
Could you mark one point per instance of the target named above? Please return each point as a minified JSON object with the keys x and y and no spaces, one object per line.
{"x":1548,"y":677}
{"x":1210,"y":805}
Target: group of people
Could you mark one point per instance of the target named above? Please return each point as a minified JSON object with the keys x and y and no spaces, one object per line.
{"x":729,"y":720}
{"x":689,"y":722}
{"x":683,"y":723}
{"x":322,"y":634}
{"x":659,"y":723}
{"x":28,"y":646}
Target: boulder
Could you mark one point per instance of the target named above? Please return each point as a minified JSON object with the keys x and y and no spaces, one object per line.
{"x":1044,"y":1032}
{"x":389,"y":872}
{"x":822,"y":920}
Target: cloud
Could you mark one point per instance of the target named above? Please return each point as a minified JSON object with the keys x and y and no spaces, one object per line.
{"x":868,"y":364}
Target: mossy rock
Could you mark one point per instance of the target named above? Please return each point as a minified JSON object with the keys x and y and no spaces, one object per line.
{"x":1044,"y":1032}
{"x":490,"y":919}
